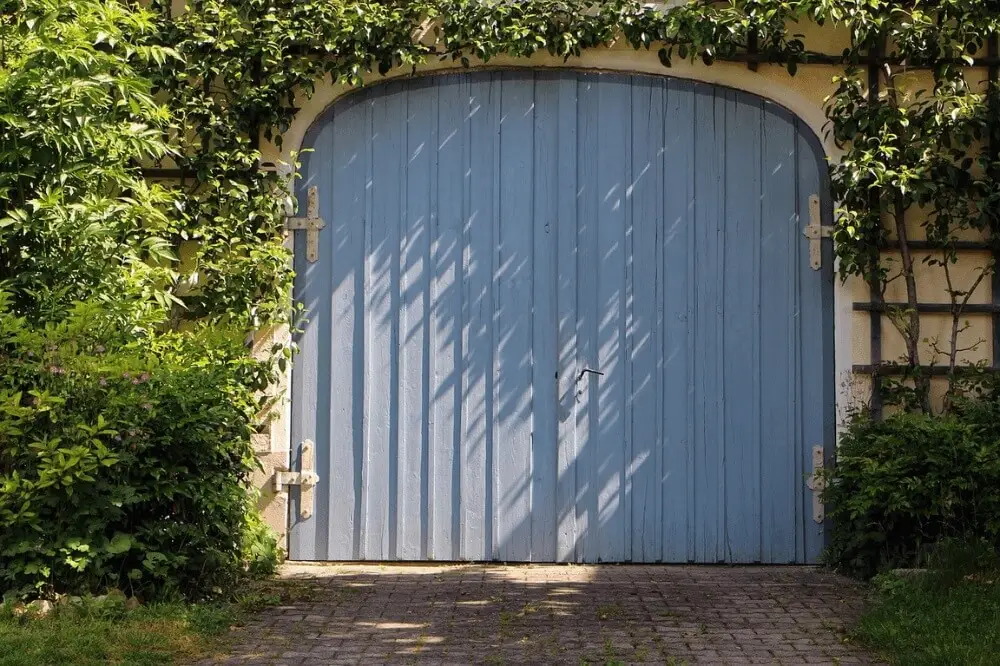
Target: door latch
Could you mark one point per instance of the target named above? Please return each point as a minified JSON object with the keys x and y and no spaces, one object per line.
{"x":306,"y":480}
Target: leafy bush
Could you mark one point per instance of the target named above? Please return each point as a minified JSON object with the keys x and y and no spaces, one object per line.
{"x":913,"y":480}
{"x":76,"y":119}
{"x":125,"y":467}
{"x":124,"y":431}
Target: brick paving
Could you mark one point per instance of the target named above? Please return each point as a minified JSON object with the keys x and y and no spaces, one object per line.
{"x":484,"y":614}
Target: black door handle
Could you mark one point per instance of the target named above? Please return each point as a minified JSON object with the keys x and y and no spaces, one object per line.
{"x":586,"y":370}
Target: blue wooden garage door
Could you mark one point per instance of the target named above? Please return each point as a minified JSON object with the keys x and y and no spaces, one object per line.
{"x":562,"y":317}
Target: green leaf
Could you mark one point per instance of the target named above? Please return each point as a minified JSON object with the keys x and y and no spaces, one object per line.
{"x":120,"y":543}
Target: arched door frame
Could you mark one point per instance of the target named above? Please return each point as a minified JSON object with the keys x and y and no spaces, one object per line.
{"x":779,"y":88}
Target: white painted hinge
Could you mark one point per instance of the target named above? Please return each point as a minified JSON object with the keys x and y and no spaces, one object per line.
{"x":817,"y":484}
{"x":306,"y":480}
{"x":312,"y":224}
{"x":816,"y":232}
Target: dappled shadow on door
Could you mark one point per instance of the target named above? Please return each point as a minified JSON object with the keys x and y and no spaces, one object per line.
{"x":560,"y":317}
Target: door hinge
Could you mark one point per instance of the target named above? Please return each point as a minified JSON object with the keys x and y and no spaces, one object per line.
{"x":306,"y":480}
{"x":817,"y":484}
{"x":312,"y":224}
{"x":816,"y":232}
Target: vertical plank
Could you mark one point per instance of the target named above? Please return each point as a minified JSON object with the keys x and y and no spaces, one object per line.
{"x":544,"y":353}
{"x":566,"y":232}
{"x":346,"y":224}
{"x":445,"y":343}
{"x":645,"y":192}
{"x":678,"y":342}
{"x":778,"y":471}
{"x":740,"y":340}
{"x":816,"y":337}
{"x":710,"y":278}
{"x":308,"y":385}
{"x":613,"y":147}
{"x":468,"y":118}
{"x":382,"y":317}
{"x":414,"y":364}
{"x":588,"y":202}
{"x":495,"y":491}
{"x":513,"y":315}
{"x":627,"y":318}
{"x":794,"y":383}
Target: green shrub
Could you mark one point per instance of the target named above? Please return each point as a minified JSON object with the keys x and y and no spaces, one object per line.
{"x":913,"y":480}
{"x":126,"y":467}
{"x":124,"y":427}
{"x":77,"y":117}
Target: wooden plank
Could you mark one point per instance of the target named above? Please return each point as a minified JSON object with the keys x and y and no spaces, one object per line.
{"x":678,"y":304}
{"x":588,"y":203}
{"x":382,"y":310}
{"x":817,"y":382}
{"x":645,"y":328}
{"x":741,"y":332}
{"x":797,"y":263}
{"x":613,"y":145}
{"x":445,"y":348}
{"x":709,"y":216}
{"x":513,"y":315}
{"x":466,"y":155}
{"x":344,"y":248}
{"x":495,"y":492}
{"x":309,"y":387}
{"x":780,"y":234}
{"x":566,"y":266}
{"x":416,"y":330}
{"x":544,"y":352}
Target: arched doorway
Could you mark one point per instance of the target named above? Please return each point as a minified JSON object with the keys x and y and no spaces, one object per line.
{"x":562,"y":316}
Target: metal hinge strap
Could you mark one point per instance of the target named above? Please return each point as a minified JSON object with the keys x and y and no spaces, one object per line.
{"x":817,"y":484}
{"x":306,"y":480}
{"x":816,"y":232}
{"x":312,"y":224}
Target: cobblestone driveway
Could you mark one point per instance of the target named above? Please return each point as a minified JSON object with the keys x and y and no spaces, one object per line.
{"x":557,"y":614}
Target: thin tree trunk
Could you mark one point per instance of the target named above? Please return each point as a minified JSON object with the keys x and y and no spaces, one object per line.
{"x":912,"y":329}
{"x":911,"y":332}
{"x":957,"y":308}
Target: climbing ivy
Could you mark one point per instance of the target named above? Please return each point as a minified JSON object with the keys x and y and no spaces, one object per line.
{"x":908,"y":153}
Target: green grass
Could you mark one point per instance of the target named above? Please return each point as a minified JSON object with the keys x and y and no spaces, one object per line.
{"x":934,"y":619}
{"x":165,"y":633}
{"x":157,"y":634}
